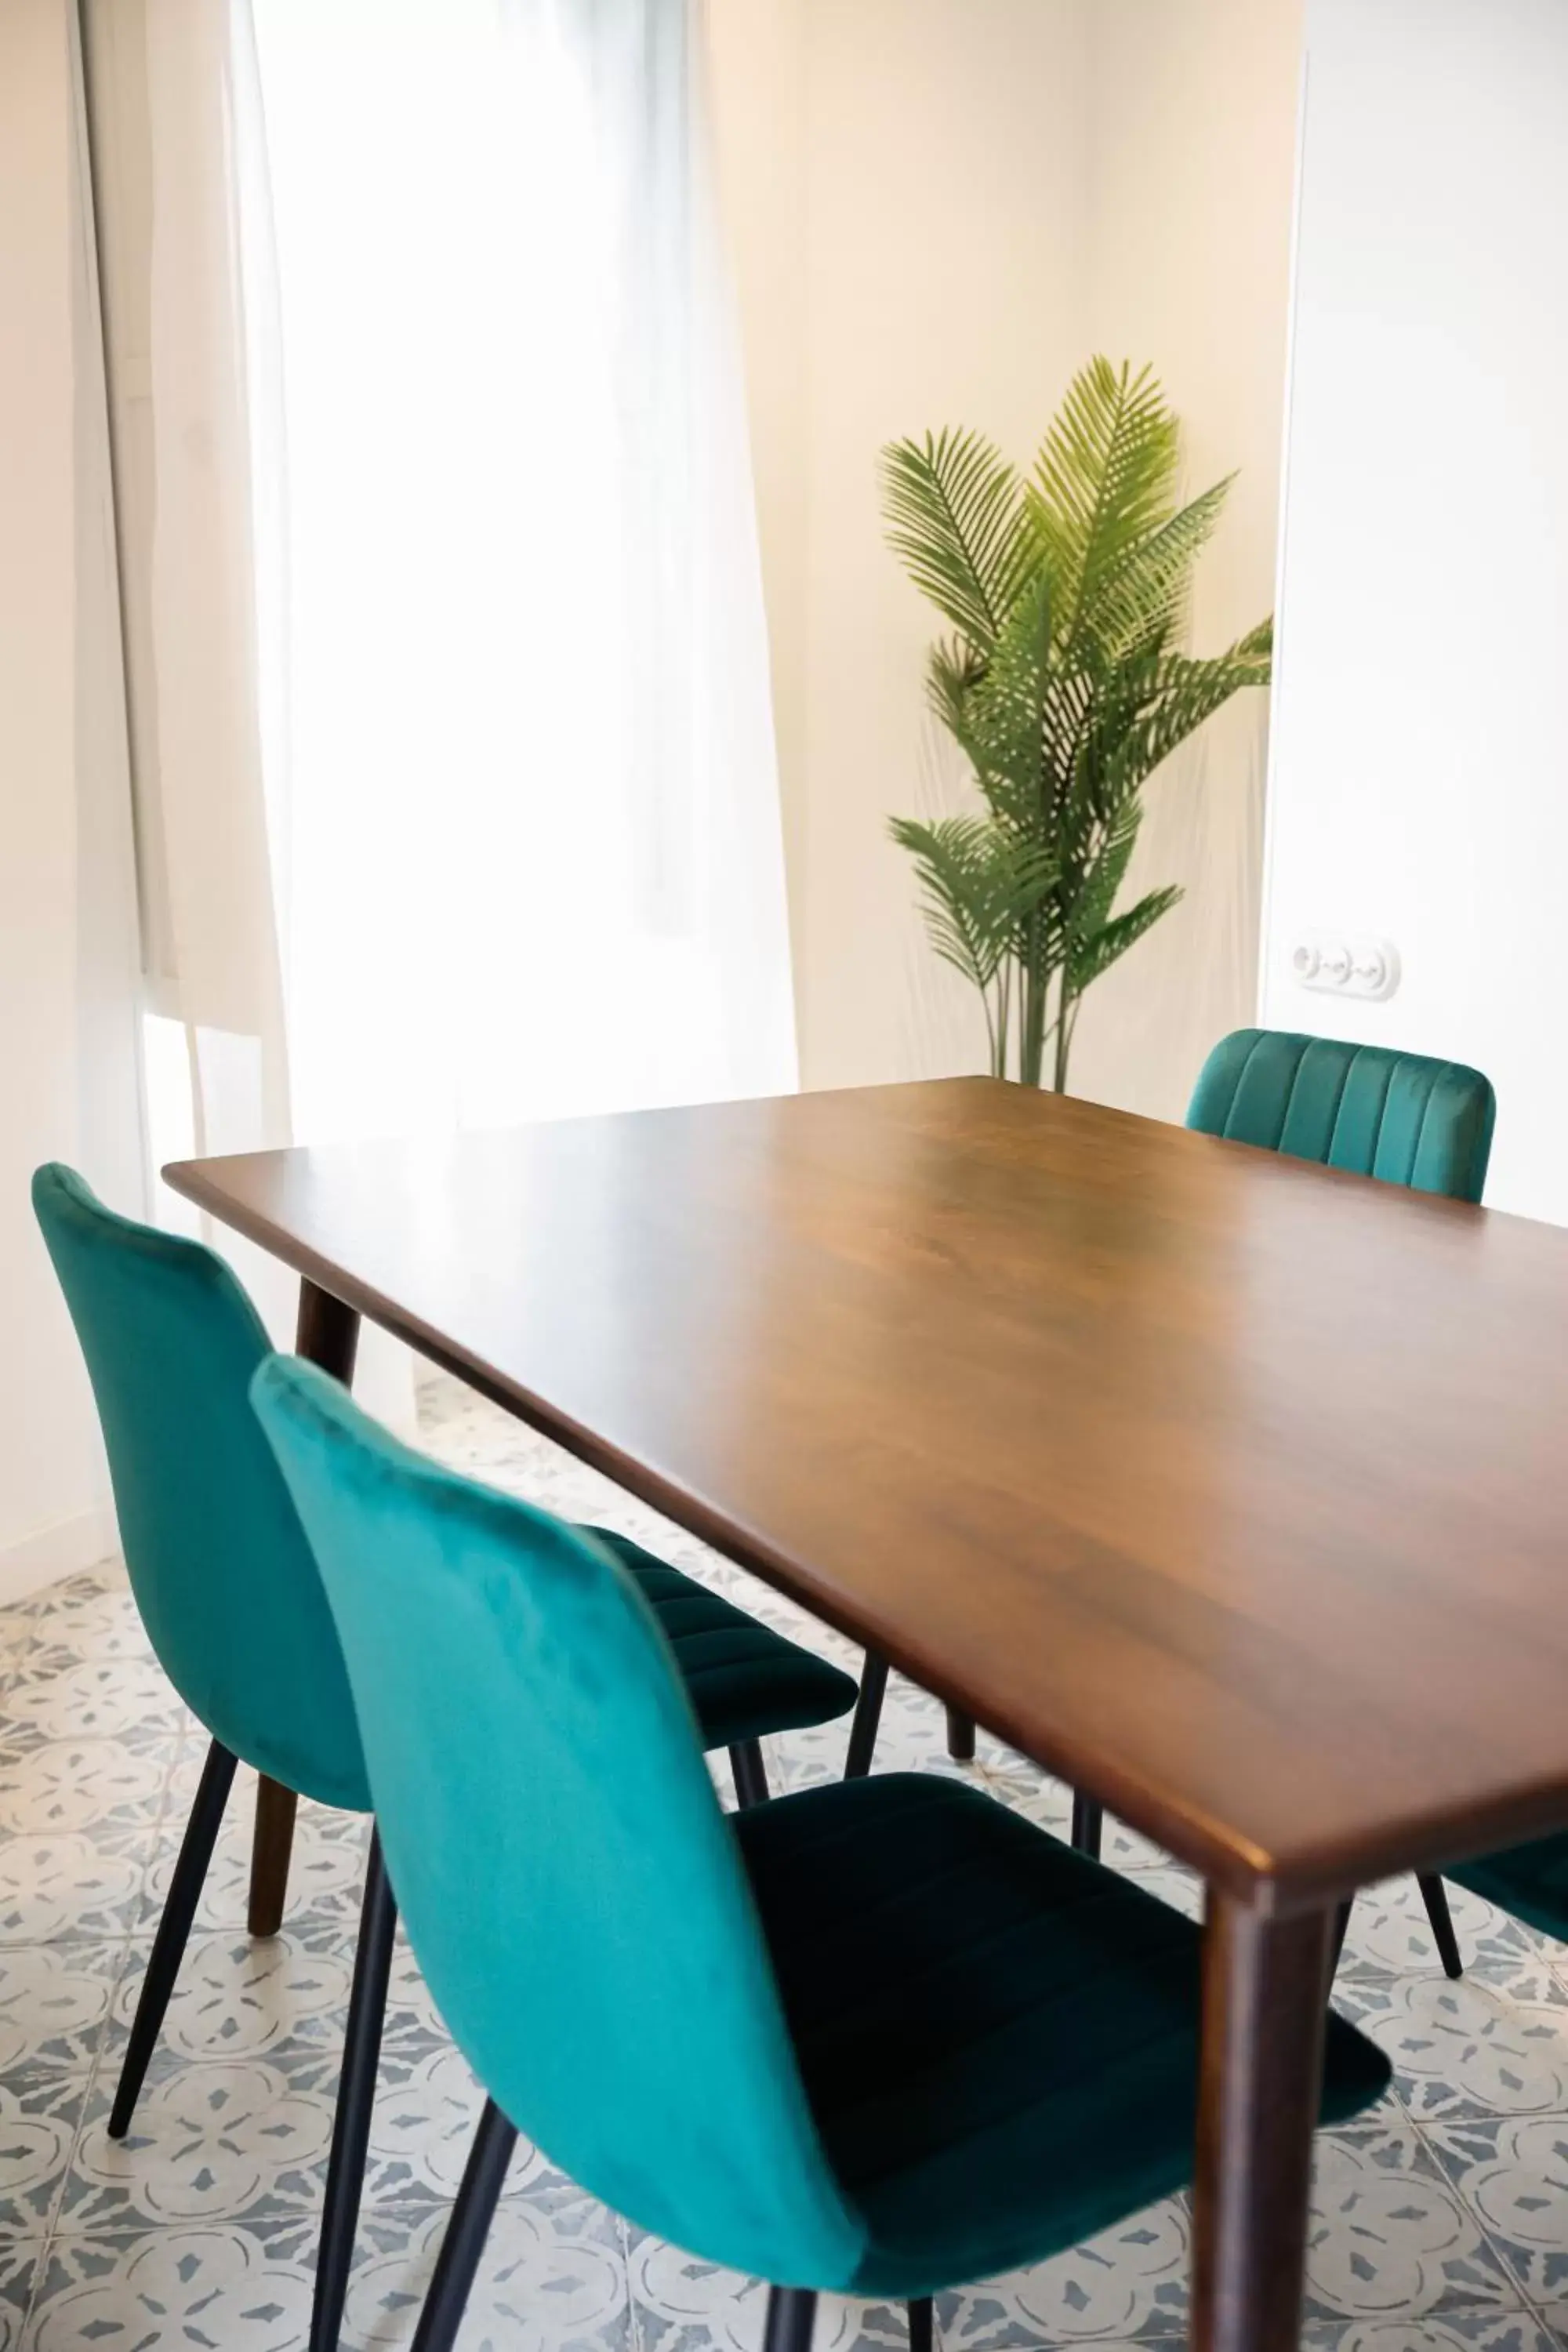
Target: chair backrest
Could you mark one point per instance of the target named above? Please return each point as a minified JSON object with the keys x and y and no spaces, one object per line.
{"x":1404,"y":1117}
{"x":569,"y":1883}
{"x":223,"y":1575}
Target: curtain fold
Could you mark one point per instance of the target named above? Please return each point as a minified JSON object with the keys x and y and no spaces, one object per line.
{"x":455,"y":785}
{"x":202,"y":806}
{"x":535,"y":864}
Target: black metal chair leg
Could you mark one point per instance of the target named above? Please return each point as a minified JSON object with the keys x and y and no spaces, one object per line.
{"x":867,"y":1717}
{"x":751,"y":1773}
{"x":1434,"y":1895}
{"x":923,"y":2326}
{"x":470,"y":2226}
{"x":173,"y":1930}
{"x":1087,"y":1825}
{"x":960,"y":1736}
{"x":356,"y":2097}
{"x":791,"y":2316}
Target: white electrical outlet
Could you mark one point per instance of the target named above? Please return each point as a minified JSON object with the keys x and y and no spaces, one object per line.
{"x":1338,"y":964}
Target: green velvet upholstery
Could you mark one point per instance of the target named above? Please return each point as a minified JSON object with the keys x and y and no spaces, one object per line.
{"x":222,"y":1576}
{"x":743,"y":1681}
{"x":1399,"y":1116}
{"x":560,"y":1863}
{"x":881,"y":2036}
{"x":998,"y":2037}
{"x":1529,"y":1881}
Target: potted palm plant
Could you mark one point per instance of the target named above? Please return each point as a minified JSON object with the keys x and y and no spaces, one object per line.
{"x":1065,"y":685}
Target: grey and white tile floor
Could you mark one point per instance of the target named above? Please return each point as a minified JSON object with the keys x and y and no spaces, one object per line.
{"x":1441,"y":2220}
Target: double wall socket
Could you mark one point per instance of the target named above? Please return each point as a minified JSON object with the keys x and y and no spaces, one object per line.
{"x":1343,"y":965}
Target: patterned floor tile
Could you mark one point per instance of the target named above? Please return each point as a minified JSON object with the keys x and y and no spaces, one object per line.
{"x":1453,"y":2331}
{"x":20,"y":2265}
{"x":551,"y":2281}
{"x":1128,"y":2285}
{"x":684,"y":2305}
{"x":1490,"y":2043}
{"x":212,"y":2286}
{"x":59,"y":1786}
{"x":55,"y":2001}
{"x":246,"y":2141}
{"x":326,"y":1869}
{"x":1513,"y":2174}
{"x":1391,"y":2235}
{"x":41,"y":2111}
{"x":126,"y":1699}
{"x":57,"y":1888}
{"x":1391,"y":1935}
{"x":236,"y":1997}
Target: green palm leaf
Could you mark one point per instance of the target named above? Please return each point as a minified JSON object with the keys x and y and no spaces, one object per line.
{"x":1144,"y":593}
{"x":1092,"y":957}
{"x":980,"y":884}
{"x":955,"y":515}
{"x":1104,"y":480}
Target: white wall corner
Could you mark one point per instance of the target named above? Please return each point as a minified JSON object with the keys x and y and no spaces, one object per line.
{"x":64,"y":1548}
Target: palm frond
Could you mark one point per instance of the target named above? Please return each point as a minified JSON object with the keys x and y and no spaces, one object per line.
{"x":1001,"y":726}
{"x":1103,"y":876}
{"x":1104,"y":480}
{"x":952,"y":669}
{"x":980,"y":884}
{"x":1090,"y":957}
{"x":1191,"y":692}
{"x":956,"y":517}
{"x":1144,"y":593}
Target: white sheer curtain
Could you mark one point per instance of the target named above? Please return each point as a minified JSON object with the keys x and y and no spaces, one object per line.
{"x":452,"y":746}
{"x":531,"y":863}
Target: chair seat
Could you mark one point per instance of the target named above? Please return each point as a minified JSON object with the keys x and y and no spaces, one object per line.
{"x":998,"y":2037}
{"x":744,"y":1681}
{"x":1529,"y":1881}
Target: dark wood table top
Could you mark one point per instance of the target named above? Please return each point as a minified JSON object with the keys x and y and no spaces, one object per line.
{"x":1233,"y":1490}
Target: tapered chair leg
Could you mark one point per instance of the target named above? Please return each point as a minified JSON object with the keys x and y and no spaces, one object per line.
{"x":867,"y":1717}
{"x":751,"y":1773}
{"x":791,"y":2316}
{"x":356,"y":2097}
{"x":923,"y":2326}
{"x":960,"y":1736}
{"x":1087,"y":1825}
{"x":173,"y":1930}
{"x":1434,"y":1895}
{"x":470,"y":2226}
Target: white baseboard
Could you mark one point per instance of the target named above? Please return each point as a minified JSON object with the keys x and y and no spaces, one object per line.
{"x":63,"y":1548}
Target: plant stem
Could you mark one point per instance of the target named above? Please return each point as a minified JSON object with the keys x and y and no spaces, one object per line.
{"x":1066,"y":1014}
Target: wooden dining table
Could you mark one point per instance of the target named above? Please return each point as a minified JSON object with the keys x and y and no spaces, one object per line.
{"x":1229,"y":1488}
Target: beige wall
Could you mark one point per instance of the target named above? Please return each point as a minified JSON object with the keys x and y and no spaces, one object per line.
{"x":1192,"y":156}
{"x":45,"y":1463}
{"x":936,"y":276}
{"x":66,"y":933}
{"x":937,"y":209}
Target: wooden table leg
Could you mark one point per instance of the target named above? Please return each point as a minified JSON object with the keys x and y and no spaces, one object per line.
{"x":1264,"y":1989}
{"x":272,"y":1841}
{"x":328,"y":1333}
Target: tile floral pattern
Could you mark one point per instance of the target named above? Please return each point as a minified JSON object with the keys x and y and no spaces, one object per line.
{"x":1440,"y":2221}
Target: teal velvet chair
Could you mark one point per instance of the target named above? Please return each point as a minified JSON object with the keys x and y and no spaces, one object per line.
{"x":232,"y":1604}
{"x":880,"y":2037}
{"x":1405,"y":1118}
